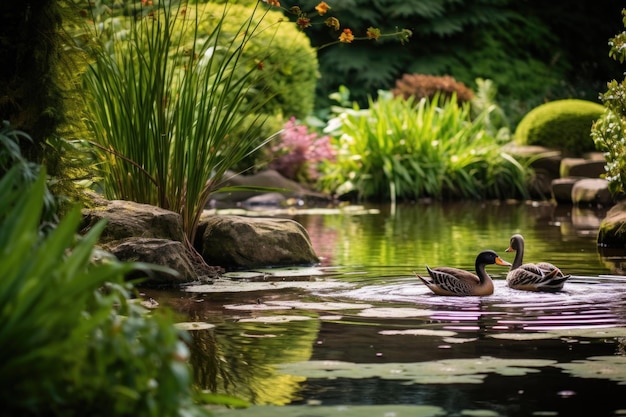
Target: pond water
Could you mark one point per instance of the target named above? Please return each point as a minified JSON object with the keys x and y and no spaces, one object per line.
{"x":359,"y":335}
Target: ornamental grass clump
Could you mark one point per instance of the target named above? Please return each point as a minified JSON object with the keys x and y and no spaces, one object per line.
{"x":398,"y":149}
{"x":163,"y":100}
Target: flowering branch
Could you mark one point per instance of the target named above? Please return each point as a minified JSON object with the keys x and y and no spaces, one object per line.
{"x":346,"y":36}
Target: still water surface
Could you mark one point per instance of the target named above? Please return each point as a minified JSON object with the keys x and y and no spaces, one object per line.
{"x":358,"y":335}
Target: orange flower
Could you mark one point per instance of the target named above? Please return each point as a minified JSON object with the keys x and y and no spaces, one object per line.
{"x":303,"y":22}
{"x":332,"y":22}
{"x":346,"y":36}
{"x":373,"y":33}
{"x":322,"y":8}
{"x":272,"y":2}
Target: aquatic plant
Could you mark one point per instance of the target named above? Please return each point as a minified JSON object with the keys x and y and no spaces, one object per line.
{"x":402,"y":149}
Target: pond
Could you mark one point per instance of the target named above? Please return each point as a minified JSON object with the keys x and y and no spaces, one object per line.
{"x":359,"y":335}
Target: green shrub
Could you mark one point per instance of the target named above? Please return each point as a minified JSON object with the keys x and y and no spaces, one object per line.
{"x":280,"y":51}
{"x":72,"y":343}
{"x":609,"y":130}
{"x":563,"y":125}
{"x":401,"y":149}
{"x":278,"y":48}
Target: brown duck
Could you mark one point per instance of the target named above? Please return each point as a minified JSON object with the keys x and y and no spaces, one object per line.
{"x":541,"y":276}
{"x":453,"y":281}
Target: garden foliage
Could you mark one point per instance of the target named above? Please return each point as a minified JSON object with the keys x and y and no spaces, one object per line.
{"x":164,"y":99}
{"x":609,"y":131}
{"x":300,"y":155}
{"x":403,"y":149}
{"x":71,"y":341}
{"x":426,"y":86}
{"x":564,"y":125}
{"x":529,"y":55}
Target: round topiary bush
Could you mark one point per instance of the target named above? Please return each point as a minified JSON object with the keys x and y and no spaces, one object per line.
{"x":285,"y":64}
{"x":564,"y":125}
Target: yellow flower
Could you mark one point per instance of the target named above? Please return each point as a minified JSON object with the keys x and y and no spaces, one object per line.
{"x":373,"y":33}
{"x":322,"y":8}
{"x":346,"y":36}
{"x":332,"y":22}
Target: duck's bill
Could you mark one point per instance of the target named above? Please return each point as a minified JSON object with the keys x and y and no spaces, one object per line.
{"x":502,"y":262}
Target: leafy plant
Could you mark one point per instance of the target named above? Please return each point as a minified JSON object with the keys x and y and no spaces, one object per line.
{"x":11,"y":143}
{"x":299,"y":155}
{"x":425,"y":86}
{"x":163,"y":109}
{"x":400,"y":149}
{"x":609,"y":130}
{"x":72,"y":343}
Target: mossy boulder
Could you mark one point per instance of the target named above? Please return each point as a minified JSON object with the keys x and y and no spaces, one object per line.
{"x":564,"y":125}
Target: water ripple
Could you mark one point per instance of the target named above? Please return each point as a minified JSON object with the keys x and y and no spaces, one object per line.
{"x":586,"y":302}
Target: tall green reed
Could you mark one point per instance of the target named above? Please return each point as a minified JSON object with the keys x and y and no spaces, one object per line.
{"x":403,"y":149}
{"x":163,"y":99}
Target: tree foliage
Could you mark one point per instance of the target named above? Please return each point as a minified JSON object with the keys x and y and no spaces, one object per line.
{"x":528,"y":53}
{"x":609,"y":131}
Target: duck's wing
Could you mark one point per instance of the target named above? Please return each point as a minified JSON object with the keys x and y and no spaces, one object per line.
{"x":450,"y":281}
{"x":530,"y":277}
{"x":554,"y":281}
{"x":548,"y":267}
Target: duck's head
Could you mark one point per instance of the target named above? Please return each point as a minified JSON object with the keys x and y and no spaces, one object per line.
{"x":516,"y":243}
{"x":489,"y":257}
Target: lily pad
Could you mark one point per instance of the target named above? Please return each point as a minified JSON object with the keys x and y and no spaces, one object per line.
{"x":418,"y":332}
{"x":255,"y":307}
{"x":320,"y":306}
{"x":275,"y":319}
{"x":451,"y":371}
{"x":395,"y":312}
{"x":194,"y":325}
{"x":598,"y":367}
{"x":226,"y":285}
{"x":334,"y":411}
{"x":522,"y":336}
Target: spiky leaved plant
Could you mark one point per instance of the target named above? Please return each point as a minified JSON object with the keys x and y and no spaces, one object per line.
{"x":162,"y":109}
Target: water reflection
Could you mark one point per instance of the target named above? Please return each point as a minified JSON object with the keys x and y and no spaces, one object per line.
{"x":453,"y":233}
{"x":381,"y":338}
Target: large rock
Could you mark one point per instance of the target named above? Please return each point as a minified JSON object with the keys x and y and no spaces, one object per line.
{"x":167,"y":253}
{"x":129,"y":219}
{"x":237,"y":242}
{"x":592,"y":192}
{"x":143,"y":233}
{"x":612,"y":232}
{"x":272,"y":190}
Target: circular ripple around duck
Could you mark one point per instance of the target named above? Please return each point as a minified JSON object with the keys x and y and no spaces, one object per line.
{"x":585,"y":302}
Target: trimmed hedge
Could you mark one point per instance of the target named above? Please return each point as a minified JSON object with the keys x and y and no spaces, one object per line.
{"x":279,"y":50}
{"x":563,"y":125}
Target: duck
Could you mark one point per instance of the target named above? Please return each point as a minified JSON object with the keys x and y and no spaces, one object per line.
{"x":541,"y":276}
{"x":458,"y":282}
